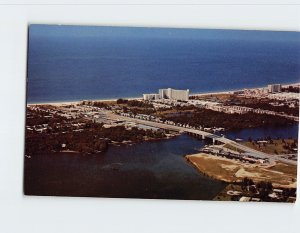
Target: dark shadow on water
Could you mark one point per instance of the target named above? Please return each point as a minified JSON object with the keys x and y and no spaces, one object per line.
{"x":147,"y":170}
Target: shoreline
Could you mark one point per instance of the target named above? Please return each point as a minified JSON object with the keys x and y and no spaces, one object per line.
{"x":68,"y":102}
{"x":231,"y":171}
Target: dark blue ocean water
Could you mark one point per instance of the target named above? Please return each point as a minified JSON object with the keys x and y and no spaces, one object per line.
{"x":75,"y":63}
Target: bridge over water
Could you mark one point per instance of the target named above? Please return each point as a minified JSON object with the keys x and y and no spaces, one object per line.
{"x":199,"y":133}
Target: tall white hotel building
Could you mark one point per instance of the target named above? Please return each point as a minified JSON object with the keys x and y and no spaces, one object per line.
{"x":169,"y":93}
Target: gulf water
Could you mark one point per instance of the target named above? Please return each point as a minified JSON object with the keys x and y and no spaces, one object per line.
{"x":75,"y":63}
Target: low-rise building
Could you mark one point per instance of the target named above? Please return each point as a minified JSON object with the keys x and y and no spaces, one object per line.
{"x":151,"y":96}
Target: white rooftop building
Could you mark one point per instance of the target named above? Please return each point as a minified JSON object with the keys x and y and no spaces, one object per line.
{"x":169,"y":93}
{"x":151,"y":96}
{"x":174,"y":94}
{"x":274,"y":88}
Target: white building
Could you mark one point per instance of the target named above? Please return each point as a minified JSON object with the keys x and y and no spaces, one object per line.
{"x":169,"y":93}
{"x":238,"y":109}
{"x":284,"y":96}
{"x":151,"y":96}
{"x":274,"y":88}
{"x":173,"y":94}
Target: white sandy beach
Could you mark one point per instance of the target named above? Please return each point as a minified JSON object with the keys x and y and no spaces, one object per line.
{"x":140,"y":98}
{"x":77,"y":101}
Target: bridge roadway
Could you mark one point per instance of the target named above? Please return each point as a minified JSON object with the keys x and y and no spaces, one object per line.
{"x":203,"y":134}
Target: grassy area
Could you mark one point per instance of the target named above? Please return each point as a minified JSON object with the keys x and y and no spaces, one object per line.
{"x":221,"y":96}
{"x":273,"y":146}
{"x":285,"y":168}
{"x":231,"y":147}
{"x":215,"y":167}
{"x":281,"y":175}
{"x":109,"y":102}
{"x":168,"y":111}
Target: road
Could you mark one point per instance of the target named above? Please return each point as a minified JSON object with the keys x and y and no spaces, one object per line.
{"x":250,"y":151}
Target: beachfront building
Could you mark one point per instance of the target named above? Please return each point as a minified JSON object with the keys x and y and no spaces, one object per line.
{"x":151,"y":96}
{"x":274,"y":88}
{"x":173,"y":94}
{"x":169,"y":93}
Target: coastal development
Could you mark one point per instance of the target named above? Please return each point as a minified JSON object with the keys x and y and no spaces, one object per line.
{"x":172,"y":94}
{"x":261,"y":169}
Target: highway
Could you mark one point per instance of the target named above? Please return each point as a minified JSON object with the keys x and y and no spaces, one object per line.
{"x":203,"y":134}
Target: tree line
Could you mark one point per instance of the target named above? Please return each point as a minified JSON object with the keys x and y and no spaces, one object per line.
{"x":89,"y":137}
{"x":209,"y":118}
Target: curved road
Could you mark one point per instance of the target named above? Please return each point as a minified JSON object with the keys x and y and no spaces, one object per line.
{"x":250,"y":151}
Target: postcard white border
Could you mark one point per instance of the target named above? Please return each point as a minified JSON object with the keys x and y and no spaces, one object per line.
{"x":61,"y":214}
